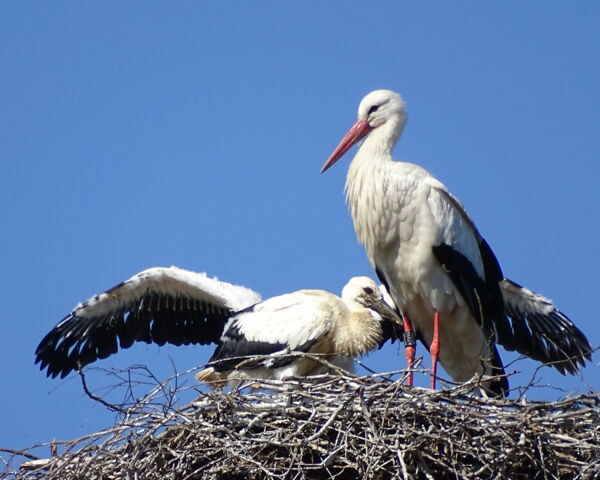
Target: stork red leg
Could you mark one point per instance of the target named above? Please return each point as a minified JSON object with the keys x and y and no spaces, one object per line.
{"x":434,"y":349}
{"x":409,"y":346}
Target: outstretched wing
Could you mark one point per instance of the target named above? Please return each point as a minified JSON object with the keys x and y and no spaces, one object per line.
{"x":542,"y":332}
{"x":159,"y":305}
{"x":530,"y":324}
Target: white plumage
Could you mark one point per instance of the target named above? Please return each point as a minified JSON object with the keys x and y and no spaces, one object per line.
{"x":171,"y":305}
{"x":428,"y":252}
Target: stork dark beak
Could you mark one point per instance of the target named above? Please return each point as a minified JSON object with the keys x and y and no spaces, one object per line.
{"x":355,"y":134}
{"x":384,"y":310}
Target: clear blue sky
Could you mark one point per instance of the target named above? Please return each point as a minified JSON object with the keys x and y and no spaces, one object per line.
{"x":144,"y":134}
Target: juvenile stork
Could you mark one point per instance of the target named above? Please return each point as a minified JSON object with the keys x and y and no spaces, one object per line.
{"x":170,"y":305}
{"x":439,"y":270}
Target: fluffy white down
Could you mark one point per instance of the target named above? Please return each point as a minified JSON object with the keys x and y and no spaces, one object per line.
{"x":171,"y":281}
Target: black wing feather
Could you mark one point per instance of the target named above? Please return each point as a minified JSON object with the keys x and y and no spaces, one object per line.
{"x":236,"y":351}
{"x":152,"y":318}
{"x":541,"y":331}
{"x":480,"y":294}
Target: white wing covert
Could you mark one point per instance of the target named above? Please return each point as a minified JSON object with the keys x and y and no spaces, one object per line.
{"x":294,"y":321}
{"x":457,"y":230}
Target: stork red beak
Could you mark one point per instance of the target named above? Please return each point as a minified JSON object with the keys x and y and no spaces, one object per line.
{"x":356,"y":132}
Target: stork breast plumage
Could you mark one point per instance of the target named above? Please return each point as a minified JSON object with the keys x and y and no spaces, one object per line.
{"x":399,"y":218}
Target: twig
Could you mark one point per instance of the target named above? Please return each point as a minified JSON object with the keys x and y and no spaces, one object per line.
{"x":110,"y":406}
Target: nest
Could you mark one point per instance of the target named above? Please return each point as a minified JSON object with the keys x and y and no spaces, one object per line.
{"x":333,"y":426}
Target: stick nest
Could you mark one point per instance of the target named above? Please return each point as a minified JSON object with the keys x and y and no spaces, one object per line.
{"x":332,"y":427}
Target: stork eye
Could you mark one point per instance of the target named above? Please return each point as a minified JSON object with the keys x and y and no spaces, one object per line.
{"x":368,"y":290}
{"x":371,"y":110}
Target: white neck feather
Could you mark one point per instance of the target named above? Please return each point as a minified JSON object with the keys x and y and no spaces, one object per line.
{"x":365,"y":184}
{"x":380,"y":141}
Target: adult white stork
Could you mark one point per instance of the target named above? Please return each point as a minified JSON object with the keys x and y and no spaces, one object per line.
{"x":440,"y":272}
{"x":170,"y":305}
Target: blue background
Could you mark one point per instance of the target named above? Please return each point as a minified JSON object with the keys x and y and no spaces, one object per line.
{"x":138,"y":134}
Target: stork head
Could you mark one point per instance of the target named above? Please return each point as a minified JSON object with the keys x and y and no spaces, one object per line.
{"x":362,"y":292}
{"x":378,"y":109}
{"x":359,"y":290}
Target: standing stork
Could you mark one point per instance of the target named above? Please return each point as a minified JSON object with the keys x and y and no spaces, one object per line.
{"x":171,"y":305}
{"x":439,"y":270}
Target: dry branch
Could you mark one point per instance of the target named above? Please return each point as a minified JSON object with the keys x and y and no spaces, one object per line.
{"x":334,"y":427}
